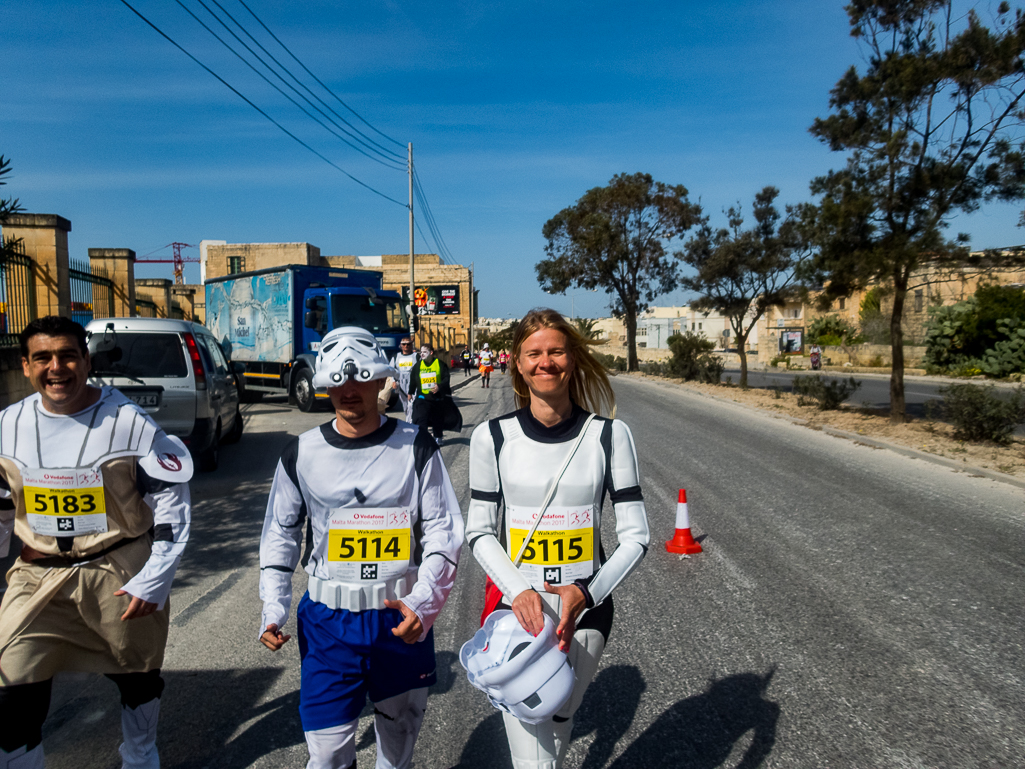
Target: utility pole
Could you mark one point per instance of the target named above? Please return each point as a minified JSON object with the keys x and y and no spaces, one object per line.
{"x":412,"y":288}
{"x":472,"y":308}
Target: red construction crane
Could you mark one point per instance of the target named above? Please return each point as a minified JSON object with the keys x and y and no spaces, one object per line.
{"x":178,"y":260}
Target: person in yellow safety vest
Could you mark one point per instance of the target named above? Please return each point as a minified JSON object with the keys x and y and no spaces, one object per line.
{"x":428,"y":386}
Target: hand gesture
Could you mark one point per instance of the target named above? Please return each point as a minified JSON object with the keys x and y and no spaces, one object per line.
{"x":573,"y":603}
{"x":410,"y":628}
{"x":273,"y":638}
{"x":136,"y":608}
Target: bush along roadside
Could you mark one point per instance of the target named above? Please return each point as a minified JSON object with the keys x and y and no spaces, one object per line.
{"x":979,"y":415}
{"x":692,"y":360}
{"x":828,"y":395}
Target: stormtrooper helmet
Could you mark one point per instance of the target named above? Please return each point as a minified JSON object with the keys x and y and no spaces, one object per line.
{"x":350,"y":353}
{"x":525,"y":676}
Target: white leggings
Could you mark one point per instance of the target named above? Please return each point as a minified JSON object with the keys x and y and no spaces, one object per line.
{"x":543,"y":745}
{"x":397,"y":723}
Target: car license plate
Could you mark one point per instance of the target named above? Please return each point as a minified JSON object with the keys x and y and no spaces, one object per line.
{"x":146,"y":400}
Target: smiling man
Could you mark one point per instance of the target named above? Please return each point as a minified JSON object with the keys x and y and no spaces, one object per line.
{"x":98,"y":495}
{"x":384,"y":534}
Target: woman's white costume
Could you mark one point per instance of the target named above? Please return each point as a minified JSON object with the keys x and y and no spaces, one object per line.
{"x":512,"y":463}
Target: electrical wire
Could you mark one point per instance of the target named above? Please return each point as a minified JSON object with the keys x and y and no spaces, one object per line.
{"x":351,"y":130}
{"x":296,"y":58}
{"x":241,"y":58}
{"x":432,"y":223}
{"x":251,"y":104}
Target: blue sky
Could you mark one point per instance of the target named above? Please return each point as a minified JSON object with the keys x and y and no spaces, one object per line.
{"x":514,"y":111}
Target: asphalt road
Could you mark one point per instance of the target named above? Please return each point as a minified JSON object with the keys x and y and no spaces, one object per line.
{"x":852,"y":608}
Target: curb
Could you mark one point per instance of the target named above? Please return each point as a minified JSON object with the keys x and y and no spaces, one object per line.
{"x":951,"y":464}
{"x":465,"y":381}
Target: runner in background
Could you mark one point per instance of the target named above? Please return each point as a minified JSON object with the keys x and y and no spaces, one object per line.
{"x":487,"y":365}
{"x":503,"y":360}
{"x":403,"y":363}
{"x":428,"y":387}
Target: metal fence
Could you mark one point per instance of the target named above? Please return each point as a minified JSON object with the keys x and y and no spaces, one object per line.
{"x":92,"y":292}
{"x":17,"y":292}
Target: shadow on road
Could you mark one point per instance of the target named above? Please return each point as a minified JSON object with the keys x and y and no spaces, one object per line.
{"x":701,"y":732}
{"x":608,"y":710}
{"x":227,"y":516}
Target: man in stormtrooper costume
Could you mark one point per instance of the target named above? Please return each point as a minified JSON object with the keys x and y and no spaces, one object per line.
{"x":403,"y":362}
{"x":98,"y":495}
{"x":513,"y":461}
{"x":383,"y":544}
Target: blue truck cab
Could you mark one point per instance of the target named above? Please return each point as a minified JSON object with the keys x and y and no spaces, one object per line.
{"x":273,"y":321}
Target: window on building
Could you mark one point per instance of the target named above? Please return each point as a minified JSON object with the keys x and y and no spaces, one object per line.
{"x":699,"y":326}
{"x":919,"y":300}
{"x":842,"y":301}
{"x":236,"y":264}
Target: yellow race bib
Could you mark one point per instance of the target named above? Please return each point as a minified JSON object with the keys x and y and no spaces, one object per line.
{"x":562,"y":548}
{"x":368,"y":544}
{"x":64,"y":503}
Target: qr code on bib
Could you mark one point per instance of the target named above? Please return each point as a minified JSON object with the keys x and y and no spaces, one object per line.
{"x":368,"y":571}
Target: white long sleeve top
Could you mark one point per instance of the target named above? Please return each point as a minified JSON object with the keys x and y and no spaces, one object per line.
{"x":330,"y":483}
{"x":513,"y":460}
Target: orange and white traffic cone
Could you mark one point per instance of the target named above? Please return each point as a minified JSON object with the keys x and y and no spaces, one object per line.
{"x":682,"y":541}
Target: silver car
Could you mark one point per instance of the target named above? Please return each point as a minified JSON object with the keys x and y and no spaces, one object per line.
{"x":177,"y":372}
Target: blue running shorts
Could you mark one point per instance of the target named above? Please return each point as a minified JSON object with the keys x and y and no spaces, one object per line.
{"x":347,"y":656}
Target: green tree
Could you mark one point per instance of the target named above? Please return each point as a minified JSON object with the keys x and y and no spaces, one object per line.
{"x":874,"y":325}
{"x":585,"y":326}
{"x":741,"y":273}
{"x":496,"y":340}
{"x":837,"y":331}
{"x":931,"y":127}
{"x":7,"y":205}
{"x":614,"y":238}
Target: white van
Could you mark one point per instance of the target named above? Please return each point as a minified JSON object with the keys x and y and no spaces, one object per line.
{"x":177,"y":372}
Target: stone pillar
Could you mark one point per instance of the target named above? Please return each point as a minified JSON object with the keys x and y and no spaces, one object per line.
{"x":119,"y":264}
{"x":45,"y":237}
{"x":158,"y":291}
{"x":184,"y":297}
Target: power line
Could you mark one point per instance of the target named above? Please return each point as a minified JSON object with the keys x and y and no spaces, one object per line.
{"x":247,"y":101}
{"x":338,"y":98}
{"x":429,"y":215}
{"x":353,"y":131}
{"x":272,"y":85}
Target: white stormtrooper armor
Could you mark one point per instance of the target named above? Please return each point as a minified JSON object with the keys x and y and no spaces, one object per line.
{"x":523,"y":675}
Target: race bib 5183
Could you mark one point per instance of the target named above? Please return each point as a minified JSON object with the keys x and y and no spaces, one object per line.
{"x":64,"y":503}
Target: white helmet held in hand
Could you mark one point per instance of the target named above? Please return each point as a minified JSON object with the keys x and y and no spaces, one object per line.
{"x":525,"y":676}
{"x":350,"y":353}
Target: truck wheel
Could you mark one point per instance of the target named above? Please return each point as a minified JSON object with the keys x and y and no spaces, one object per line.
{"x":305,"y":394}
